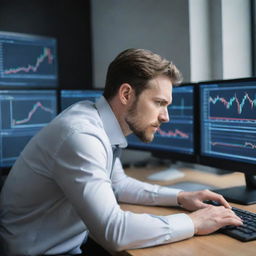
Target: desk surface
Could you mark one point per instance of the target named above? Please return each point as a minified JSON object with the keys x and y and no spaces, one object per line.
{"x":211,"y":245}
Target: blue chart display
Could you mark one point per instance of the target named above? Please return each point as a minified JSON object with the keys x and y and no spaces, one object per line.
{"x":27,"y":60}
{"x":69,"y":97}
{"x":22,"y":114}
{"x":177,"y":134}
{"x":228,"y":121}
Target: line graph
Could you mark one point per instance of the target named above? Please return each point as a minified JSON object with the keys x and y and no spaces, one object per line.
{"x":28,"y":60}
{"x":46,"y":55}
{"x":176,"y":133}
{"x":236,"y":141}
{"x":23,"y":113}
{"x":36,"y":106}
{"x":247,"y":145}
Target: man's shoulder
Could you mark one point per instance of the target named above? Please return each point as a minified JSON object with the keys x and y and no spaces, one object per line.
{"x":82,"y":115}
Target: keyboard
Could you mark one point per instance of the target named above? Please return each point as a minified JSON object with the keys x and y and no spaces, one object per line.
{"x":244,"y":233}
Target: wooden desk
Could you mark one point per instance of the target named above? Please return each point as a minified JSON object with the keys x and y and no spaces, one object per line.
{"x":211,"y":245}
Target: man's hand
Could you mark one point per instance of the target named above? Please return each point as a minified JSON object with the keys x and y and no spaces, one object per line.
{"x":195,"y":200}
{"x":208,"y":218}
{"x":211,"y":218}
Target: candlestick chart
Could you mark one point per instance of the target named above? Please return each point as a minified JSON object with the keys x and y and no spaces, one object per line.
{"x":229,"y":121}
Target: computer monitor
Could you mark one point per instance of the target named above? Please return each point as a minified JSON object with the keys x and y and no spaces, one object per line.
{"x":27,"y":61}
{"x":69,"y":97}
{"x":22,"y":114}
{"x":228,"y":132}
{"x":174,"y":139}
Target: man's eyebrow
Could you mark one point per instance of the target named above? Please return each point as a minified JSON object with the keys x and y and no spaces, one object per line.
{"x":163,"y":100}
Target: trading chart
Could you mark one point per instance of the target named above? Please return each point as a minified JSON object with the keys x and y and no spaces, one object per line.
{"x":229,"y":121}
{"x":27,"y":60}
{"x":22,"y":114}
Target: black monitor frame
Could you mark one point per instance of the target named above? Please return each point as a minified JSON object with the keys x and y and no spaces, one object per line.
{"x":241,"y":194}
{"x":171,"y":154}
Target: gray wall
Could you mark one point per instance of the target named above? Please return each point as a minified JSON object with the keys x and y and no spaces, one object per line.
{"x":161,"y":26}
{"x":204,"y":38}
{"x":220,"y":39}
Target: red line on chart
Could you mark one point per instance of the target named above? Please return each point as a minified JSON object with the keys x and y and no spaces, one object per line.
{"x":31,"y":113}
{"x":176,"y":133}
{"x":46,"y":54}
{"x":245,"y":145}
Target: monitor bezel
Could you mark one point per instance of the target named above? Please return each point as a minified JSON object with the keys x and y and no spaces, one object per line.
{"x":219,"y":162}
{"x":174,"y":155}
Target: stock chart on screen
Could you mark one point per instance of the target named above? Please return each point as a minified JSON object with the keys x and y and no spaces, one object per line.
{"x":22,"y":114}
{"x":177,"y":134}
{"x":27,"y":60}
{"x":228,"y":120}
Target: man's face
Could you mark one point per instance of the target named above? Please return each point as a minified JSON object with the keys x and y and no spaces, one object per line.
{"x":149,"y":110}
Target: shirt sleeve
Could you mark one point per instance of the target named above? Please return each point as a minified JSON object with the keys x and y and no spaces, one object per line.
{"x":130,"y":190}
{"x":80,"y":171}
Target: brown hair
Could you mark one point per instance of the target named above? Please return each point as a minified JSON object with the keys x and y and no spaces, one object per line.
{"x":137,"y":67}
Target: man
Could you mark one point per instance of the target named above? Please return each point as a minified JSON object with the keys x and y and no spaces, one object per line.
{"x":67,"y":182}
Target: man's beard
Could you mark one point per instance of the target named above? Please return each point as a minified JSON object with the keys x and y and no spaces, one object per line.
{"x":134,"y":124}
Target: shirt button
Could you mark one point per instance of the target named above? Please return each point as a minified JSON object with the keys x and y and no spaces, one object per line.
{"x":167,"y":237}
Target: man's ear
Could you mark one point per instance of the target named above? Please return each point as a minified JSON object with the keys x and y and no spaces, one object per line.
{"x":125,"y":93}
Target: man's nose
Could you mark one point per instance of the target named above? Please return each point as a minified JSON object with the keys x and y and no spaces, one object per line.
{"x":164,"y":115}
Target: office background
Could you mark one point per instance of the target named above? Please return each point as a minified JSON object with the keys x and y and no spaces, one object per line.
{"x":207,"y":40}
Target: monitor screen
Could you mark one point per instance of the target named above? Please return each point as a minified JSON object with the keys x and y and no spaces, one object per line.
{"x":27,"y":61}
{"x":174,"y":139}
{"x":69,"y":97}
{"x":228,"y":126}
{"x":22,"y":114}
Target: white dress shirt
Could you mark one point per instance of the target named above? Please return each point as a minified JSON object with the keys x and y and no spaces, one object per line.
{"x":61,"y":188}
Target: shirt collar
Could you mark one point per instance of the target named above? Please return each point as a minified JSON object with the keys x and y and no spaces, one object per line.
{"x":110,"y":123}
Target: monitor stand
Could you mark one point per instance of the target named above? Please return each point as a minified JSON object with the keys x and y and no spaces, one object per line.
{"x":170,"y":173}
{"x":241,"y":194}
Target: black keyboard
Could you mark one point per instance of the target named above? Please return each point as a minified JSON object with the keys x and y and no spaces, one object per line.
{"x":244,"y":233}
